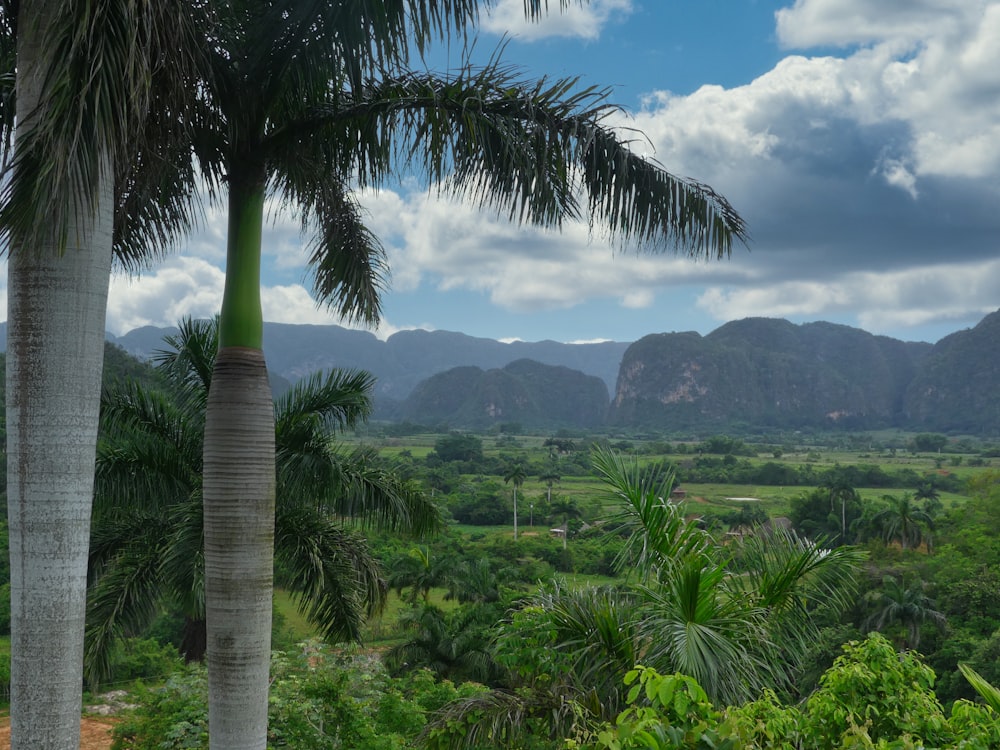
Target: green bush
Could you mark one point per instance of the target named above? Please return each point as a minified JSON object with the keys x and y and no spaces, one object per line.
{"x":318,"y":700}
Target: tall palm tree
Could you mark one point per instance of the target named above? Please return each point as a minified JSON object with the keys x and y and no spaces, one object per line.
{"x":903,"y":520}
{"x":841,"y":493}
{"x":87,"y":84}
{"x":308,"y":99}
{"x":564,"y":508}
{"x":550,"y":475}
{"x":147,"y":534}
{"x":895,"y":603}
{"x":515,"y":473}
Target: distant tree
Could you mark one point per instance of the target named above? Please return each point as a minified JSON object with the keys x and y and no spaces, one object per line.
{"x":515,"y":473}
{"x":908,"y":606}
{"x":564,"y":509}
{"x":478,"y":581}
{"x":549,"y":475}
{"x":927,"y":442}
{"x":454,"y":646}
{"x":903,"y":520}
{"x":838,"y":488}
{"x":458,"y":447}
{"x":562,"y":445}
{"x":416,"y":572}
{"x":928,"y":492}
{"x":813,"y":514}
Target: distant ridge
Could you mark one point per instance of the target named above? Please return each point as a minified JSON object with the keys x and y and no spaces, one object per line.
{"x":750,"y":374}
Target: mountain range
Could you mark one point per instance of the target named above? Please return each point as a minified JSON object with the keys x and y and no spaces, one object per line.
{"x":748,"y":374}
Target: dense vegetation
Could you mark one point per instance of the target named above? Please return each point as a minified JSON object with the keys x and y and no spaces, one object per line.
{"x":475,"y":617}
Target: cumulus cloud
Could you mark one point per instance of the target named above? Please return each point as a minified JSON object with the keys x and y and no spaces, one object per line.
{"x":182,"y":286}
{"x":818,"y":23}
{"x":583,"y":20}
{"x":882,"y":302}
{"x":452,"y":245}
{"x":185,"y":286}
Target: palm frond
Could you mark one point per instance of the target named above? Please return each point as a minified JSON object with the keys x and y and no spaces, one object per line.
{"x":987,"y":691}
{"x":183,"y":568}
{"x":8,"y":55}
{"x":331,"y":571}
{"x":189,"y":358}
{"x":149,"y":450}
{"x":356,"y":486}
{"x":349,"y":266}
{"x":506,"y":719}
{"x":335,"y":400}
{"x":658,"y":531}
{"x":693,"y":627}
{"x":597,"y":629}
{"x":98,"y":77}
{"x":788,"y":572}
{"x":123,"y":602}
{"x":529,"y":149}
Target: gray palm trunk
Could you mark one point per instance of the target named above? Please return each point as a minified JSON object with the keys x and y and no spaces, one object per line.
{"x":55,"y":347}
{"x":239,"y":547}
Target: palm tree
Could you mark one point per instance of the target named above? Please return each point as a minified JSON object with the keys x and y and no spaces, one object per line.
{"x":454,"y":646}
{"x":550,"y":475}
{"x":841,"y":492}
{"x":146,"y":548}
{"x":903,"y":520}
{"x":480,"y":581}
{"x":909,"y":606}
{"x":737,"y":618}
{"x":87,"y":84}
{"x":515,"y":473}
{"x":306,"y":99}
{"x":418,"y":572}
{"x":564,"y":508}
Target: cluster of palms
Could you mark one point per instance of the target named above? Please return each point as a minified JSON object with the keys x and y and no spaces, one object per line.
{"x":146,"y":540}
{"x":737,"y":617}
{"x":127,"y":111}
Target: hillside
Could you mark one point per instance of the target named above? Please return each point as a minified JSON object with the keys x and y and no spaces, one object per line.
{"x":745,"y":375}
{"x":958,"y":386}
{"x":405,"y":358}
{"x":527,"y":392}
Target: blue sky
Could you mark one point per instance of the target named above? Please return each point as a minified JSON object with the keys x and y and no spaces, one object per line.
{"x":860,"y":140}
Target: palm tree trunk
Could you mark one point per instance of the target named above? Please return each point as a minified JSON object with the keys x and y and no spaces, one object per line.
{"x":238,"y":488}
{"x":515,"y":512}
{"x":55,"y":349}
{"x":193,"y":642}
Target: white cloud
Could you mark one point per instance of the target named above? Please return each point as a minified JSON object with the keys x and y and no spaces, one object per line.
{"x":452,"y":245}
{"x":882,"y":302}
{"x":182,"y":286}
{"x":583,"y":20}
{"x":185,"y":286}
{"x":817,"y":23}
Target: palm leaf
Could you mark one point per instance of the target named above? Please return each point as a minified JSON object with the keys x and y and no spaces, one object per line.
{"x":189,"y":359}
{"x":108,"y":65}
{"x":337,"y":581}
{"x":123,"y":602}
{"x":989,"y":693}
{"x":658,"y":531}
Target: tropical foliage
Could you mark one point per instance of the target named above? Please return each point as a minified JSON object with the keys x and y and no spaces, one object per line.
{"x":734,"y":618}
{"x":306,"y":101}
{"x":146,"y":549}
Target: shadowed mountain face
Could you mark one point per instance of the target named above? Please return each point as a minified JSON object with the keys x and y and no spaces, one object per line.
{"x":405,"y":358}
{"x":766,"y":373}
{"x":748,"y":374}
{"x":527,"y":392}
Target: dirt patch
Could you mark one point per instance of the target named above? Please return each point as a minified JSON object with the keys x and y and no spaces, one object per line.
{"x":95,"y":733}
